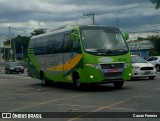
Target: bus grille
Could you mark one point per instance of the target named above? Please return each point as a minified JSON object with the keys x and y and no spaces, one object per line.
{"x":114,"y":70}
{"x":117,"y":74}
{"x":110,"y":66}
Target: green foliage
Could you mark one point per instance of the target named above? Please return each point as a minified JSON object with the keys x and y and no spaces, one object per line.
{"x":37,"y":32}
{"x":157,"y":2}
{"x":17,"y":44}
{"x":22,"y":41}
{"x":155,"y":39}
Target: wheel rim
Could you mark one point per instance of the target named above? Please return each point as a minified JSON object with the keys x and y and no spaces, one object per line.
{"x":78,"y":84}
{"x":157,"y":68}
{"x":43,"y":82}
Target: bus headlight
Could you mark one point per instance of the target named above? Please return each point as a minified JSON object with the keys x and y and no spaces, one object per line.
{"x":93,"y":65}
{"x":91,"y":76}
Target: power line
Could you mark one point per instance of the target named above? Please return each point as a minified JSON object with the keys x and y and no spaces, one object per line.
{"x":18,"y":29}
{"x":119,"y":10}
{"x":144,"y":31}
{"x":90,"y":14}
{"x":153,"y":25}
{"x":4,"y":34}
{"x":93,"y":14}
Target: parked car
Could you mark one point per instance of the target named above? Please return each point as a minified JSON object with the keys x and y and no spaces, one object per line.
{"x":142,"y":68}
{"x":155,"y":60}
{"x":11,"y":67}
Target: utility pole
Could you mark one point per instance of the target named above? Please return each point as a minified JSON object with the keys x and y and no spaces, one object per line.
{"x":90,"y":15}
{"x":11,"y":51}
{"x":14,"y":48}
{"x":9,"y":28}
{"x":117,"y":22}
{"x":0,"y":52}
{"x":22,"y":52}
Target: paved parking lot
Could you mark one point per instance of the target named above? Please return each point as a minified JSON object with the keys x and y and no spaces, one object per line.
{"x":20,"y":93}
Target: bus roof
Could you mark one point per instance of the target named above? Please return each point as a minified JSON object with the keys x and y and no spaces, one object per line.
{"x":70,"y":28}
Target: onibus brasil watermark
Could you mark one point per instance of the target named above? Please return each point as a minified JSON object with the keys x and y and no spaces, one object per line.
{"x":21,"y":115}
{"x":38,"y":115}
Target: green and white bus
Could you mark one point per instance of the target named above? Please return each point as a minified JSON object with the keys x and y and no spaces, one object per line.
{"x":80,"y":55}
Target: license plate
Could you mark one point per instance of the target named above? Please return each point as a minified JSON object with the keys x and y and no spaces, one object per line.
{"x":17,"y":69}
{"x":147,"y":72}
{"x":113,"y":70}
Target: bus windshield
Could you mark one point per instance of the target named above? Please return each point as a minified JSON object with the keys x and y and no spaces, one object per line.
{"x":103,"y":41}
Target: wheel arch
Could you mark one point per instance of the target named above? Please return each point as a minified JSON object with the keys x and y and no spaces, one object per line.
{"x":75,"y":75}
{"x":41,"y":74}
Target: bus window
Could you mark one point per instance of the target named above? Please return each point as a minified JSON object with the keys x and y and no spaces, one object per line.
{"x":67,"y":43}
{"x":76,"y":46}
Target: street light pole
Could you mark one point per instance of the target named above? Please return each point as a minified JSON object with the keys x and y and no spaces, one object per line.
{"x":90,"y":14}
{"x":14,"y":48}
{"x":22,"y":52}
{"x":11,"y":51}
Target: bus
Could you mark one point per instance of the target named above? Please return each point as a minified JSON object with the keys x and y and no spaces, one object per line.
{"x":90,"y":54}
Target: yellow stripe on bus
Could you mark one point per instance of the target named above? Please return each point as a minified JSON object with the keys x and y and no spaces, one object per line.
{"x":67,"y":65}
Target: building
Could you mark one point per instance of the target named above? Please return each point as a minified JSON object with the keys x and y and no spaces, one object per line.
{"x":140,"y":47}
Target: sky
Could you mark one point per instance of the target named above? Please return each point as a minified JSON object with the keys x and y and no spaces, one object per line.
{"x":137,"y":17}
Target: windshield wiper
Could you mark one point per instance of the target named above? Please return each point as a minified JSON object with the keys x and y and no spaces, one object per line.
{"x":120,"y":50}
{"x":104,"y":50}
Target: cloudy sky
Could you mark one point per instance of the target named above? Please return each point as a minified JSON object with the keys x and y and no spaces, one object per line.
{"x":138,"y":17}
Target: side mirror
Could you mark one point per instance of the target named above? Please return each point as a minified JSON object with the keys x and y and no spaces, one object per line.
{"x":126,"y":36}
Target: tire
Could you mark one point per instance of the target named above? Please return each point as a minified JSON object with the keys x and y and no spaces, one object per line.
{"x":118,"y":84}
{"x":78,"y":84}
{"x":9,"y":71}
{"x":151,"y":77}
{"x":157,"y":68}
{"x":43,"y":81}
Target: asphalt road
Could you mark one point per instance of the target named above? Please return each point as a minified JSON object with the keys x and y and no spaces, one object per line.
{"x":20,"y":93}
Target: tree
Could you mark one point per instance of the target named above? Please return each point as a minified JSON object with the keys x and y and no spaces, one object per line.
{"x":155,"y":40}
{"x":16,"y":44}
{"x":38,"y":31}
{"x":157,"y":2}
{"x":20,"y":42}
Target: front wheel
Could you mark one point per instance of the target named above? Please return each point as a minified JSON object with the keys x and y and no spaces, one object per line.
{"x":78,"y":84}
{"x":43,"y":81}
{"x":151,"y":77}
{"x":118,"y":84}
{"x":157,"y":68}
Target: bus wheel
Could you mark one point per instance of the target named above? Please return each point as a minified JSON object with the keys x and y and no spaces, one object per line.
{"x":118,"y":84}
{"x":43,"y":81}
{"x":76,"y":80}
{"x":77,"y":83}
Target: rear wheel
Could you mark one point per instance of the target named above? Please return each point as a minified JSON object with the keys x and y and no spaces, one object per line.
{"x":43,"y":81}
{"x":118,"y":84}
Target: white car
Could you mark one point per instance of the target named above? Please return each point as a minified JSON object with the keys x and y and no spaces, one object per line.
{"x":155,"y":60}
{"x":142,"y":68}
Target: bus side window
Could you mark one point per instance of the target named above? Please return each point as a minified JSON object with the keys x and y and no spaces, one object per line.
{"x":67,"y":43}
{"x":76,"y":46}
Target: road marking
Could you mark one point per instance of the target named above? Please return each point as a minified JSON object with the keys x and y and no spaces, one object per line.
{"x":98,"y":109}
{"x":42,"y":103}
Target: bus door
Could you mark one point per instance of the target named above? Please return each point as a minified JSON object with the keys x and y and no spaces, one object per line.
{"x":67,"y":55}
